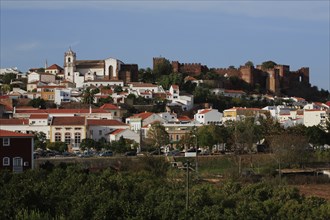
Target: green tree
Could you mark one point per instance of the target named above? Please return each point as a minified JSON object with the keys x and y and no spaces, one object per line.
{"x":162,"y":68}
{"x":40,"y":140}
{"x":158,"y":136}
{"x":118,"y":89}
{"x":57,"y":146}
{"x":5,"y":88}
{"x":8,"y":77}
{"x":268,"y":65}
{"x":88,"y":96}
{"x":87,"y":143}
{"x":249,"y":63}
{"x":290,"y":149}
{"x":38,"y":103}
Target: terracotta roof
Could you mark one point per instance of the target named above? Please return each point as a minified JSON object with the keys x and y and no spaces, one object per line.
{"x":328,"y":103}
{"x":101,"y":96}
{"x":83,"y":110}
{"x":109,"y":106}
{"x":144,"y":85}
{"x":142,"y":115}
{"x":184,"y":118}
{"x":146,"y":93}
{"x":14,"y":121}
{"x":117,"y":131}
{"x":232,"y":109}
{"x":51,"y":87}
{"x":5,"y":133}
{"x":106,"y":91}
{"x":107,"y":122}
{"x":190,"y":78}
{"x":204,"y":111}
{"x":31,"y":111}
{"x":175,"y":86}
{"x":314,"y":110}
{"x":39,"y":116}
{"x":54,"y":67}
{"x":77,"y":120}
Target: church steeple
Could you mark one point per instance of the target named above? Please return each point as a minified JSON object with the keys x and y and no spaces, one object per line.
{"x":69,"y":65}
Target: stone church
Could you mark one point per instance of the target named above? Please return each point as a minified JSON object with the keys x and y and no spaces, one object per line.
{"x":106,"y":72}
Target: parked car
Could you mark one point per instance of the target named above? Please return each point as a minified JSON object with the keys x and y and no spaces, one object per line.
{"x":130,"y":153}
{"x":85,"y":154}
{"x":106,"y":154}
{"x":174,"y":153}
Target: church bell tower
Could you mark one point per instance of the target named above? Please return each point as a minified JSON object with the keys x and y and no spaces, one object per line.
{"x":69,"y":65}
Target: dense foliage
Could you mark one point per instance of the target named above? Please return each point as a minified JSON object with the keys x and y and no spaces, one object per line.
{"x":68,"y":192}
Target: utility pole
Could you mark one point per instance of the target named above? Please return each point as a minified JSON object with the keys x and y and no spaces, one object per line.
{"x":187,"y":185}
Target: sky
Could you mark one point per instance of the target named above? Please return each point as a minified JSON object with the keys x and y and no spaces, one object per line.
{"x":218,"y":34}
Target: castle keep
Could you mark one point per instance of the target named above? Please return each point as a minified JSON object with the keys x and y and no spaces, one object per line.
{"x":272,"y":78}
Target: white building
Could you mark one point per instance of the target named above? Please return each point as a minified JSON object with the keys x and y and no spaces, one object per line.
{"x":208,"y":116}
{"x":100,"y":128}
{"x":62,"y":95}
{"x":125,"y":133}
{"x":186,"y":102}
{"x":103,"y":71}
{"x":137,"y":121}
{"x":70,"y":130}
{"x":315,"y":117}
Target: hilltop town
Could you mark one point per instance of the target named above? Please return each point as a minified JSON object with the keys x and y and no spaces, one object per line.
{"x":92,"y":101}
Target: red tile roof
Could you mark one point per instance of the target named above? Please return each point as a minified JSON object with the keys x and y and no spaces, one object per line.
{"x":77,"y":120}
{"x":51,"y":87}
{"x":14,"y":121}
{"x":107,"y":122}
{"x":109,"y":106}
{"x":175,"y":86}
{"x":117,"y":131}
{"x":54,"y":67}
{"x":39,"y":116}
{"x":5,"y":133}
{"x":204,"y":111}
{"x":184,"y":118}
{"x":144,"y":85}
{"x":142,"y":115}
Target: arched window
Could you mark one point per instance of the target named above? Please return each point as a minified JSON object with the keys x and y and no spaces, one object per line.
{"x":69,"y":59}
{"x":110,"y":71}
{"x":58,"y":136}
{"x":67,"y":138}
{"x":77,"y":138}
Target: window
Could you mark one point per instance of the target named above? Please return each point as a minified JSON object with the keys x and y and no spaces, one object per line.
{"x":6,"y":141}
{"x":58,"y":136}
{"x":6,"y":161}
{"x":69,"y":59}
{"x":77,"y":138}
{"x":67,"y":138}
{"x":100,"y":132}
{"x":115,"y":113}
{"x":91,"y":132}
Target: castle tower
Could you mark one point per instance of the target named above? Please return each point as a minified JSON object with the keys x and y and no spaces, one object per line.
{"x":69,"y":65}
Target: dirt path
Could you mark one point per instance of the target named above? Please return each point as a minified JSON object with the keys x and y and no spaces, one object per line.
{"x":319,"y":190}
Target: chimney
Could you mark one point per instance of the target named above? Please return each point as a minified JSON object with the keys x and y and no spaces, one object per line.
{"x":90,"y":109}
